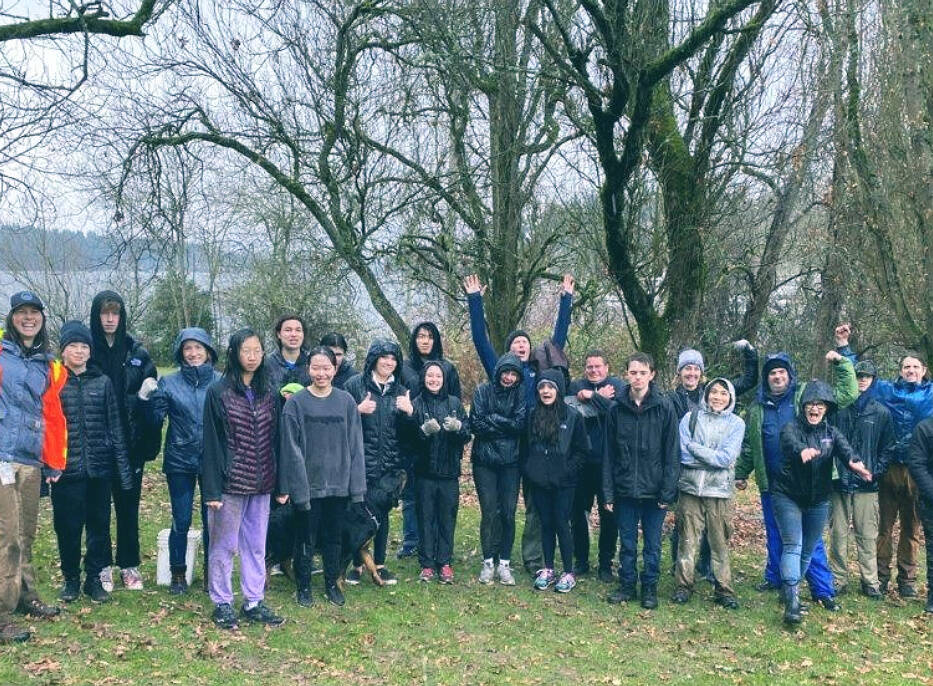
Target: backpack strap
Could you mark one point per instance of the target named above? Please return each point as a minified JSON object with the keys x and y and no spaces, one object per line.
{"x":694,"y":414}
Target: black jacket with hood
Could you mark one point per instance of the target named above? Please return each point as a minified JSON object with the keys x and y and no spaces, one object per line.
{"x":920,"y":460}
{"x":126,"y":363}
{"x":414,"y":363}
{"x":810,"y":483}
{"x":868,"y":427}
{"x":384,"y":428}
{"x":556,"y":465}
{"x":642,"y":452}
{"x":438,"y":456}
{"x":497,"y":417}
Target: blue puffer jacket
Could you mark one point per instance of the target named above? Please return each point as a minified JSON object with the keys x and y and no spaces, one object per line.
{"x":24,"y":381}
{"x":180,"y":397}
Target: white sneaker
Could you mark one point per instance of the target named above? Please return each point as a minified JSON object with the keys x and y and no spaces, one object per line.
{"x":504,"y":572}
{"x":276,"y":570}
{"x":106,"y":579}
{"x":132,"y":579}
{"x":487,"y":573}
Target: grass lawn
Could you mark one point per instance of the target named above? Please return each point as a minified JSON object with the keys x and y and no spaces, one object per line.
{"x":465,"y":633}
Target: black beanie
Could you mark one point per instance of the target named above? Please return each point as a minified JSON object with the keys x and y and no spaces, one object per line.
{"x":74,"y":332}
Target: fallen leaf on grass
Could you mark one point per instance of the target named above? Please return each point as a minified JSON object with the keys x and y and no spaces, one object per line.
{"x":42,"y":666}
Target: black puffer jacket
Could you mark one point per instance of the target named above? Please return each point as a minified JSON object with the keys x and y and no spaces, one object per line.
{"x":497,"y":417}
{"x":556,"y":465}
{"x":868,"y":427}
{"x":414,"y":363}
{"x":384,"y":429}
{"x":920,"y":459}
{"x":642,"y":457}
{"x":96,"y":448}
{"x":439,"y":455}
{"x":810,"y":483}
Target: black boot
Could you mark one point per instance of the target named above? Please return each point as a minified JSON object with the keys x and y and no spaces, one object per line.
{"x":334,"y":594}
{"x":649,"y":597}
{"x":95,"y":590}
{"x":929,"y":605}
{"x":179,"y":583}
{"x":303,"y":595}
{"x":621,"y":594}
{"x":792,"y":604}
{"x":71,"y":589}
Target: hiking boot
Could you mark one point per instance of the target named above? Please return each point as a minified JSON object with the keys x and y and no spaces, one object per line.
{"x":36,"y":608}
{"x":906,"y":589}
{"x":605,"y":575}
{"x":179,"y":584}
{"x":303,"y":596}
{"x":929,"y":606}
{"x":649,"y":597}
{"x":730,"y":602}
{"x":446,"y":575}
{"x":106,"y":579}
{"x":487,"y":572}
{"x":94,"y":589}
{"x":504,"y":570}
{"x":566,"y":583}
{"x":388,"y":578}
{"x":261,"y":614}
{"x":543,"y":579}
{"x":224,"y":616}
{"x":406,"y":551}
{"x":792,"y":604}
{"x":12,"y":633}
{"x":829,"y":604}
{"x":622,"y":594}
{"x":766,"y":586}
{"x":427,"y":575}
{"x":132,"y":579}
{"x":334,"y":595}
{"x":681,"y":596}
{"x":872,"y":592}
{"x":353,"y":577}
{"x":71,"y":589}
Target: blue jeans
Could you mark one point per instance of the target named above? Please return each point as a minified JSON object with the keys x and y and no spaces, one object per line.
{"x":409,"y":513}
{"x":818,"y":575}
{"x":800,"y":528}
{"x":181,"y":492}
{"x":629,"y":513}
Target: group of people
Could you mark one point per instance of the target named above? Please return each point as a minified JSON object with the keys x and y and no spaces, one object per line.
{"x":298,"y":434}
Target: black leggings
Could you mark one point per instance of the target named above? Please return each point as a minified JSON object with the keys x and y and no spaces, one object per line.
{"x":497,"y":491}
{"x":555,"y":506}
{"x":319,"y":525}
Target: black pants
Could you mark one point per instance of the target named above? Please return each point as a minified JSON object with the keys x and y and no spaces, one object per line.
{"x":589,"y":488}
{"x":554,"y":506}
{"x":319,"y":526}
{"x":126,"y":506}
{"x":437,"y":501}
{"x":82,"y":505}
{"x":497,"y":491}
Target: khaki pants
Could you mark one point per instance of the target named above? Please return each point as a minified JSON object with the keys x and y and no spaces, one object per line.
{"x":19,"y":513}
{"x":862,"y":510}
{"x":694,"y":516}
{"x":897,"y":497}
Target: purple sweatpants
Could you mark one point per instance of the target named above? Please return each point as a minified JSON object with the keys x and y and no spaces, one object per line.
{"x":240,"y":524}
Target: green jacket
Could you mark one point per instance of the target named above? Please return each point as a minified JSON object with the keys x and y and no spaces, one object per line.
{"x":752,"y":457}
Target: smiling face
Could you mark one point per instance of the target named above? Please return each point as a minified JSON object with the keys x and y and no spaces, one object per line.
{"x":291,"y":334}
{"x":815,"y":412}
{"x":75,"y":356}
{"x":547,"y":392}
{"x":250,"y":354}
{"x":424,"y":341}
{"x":596,"y":369}
{"x":385,"y":366}
{"x":508,"y":378}
{"x":639,"y":376}
{"x":690,"y":376}
{"x":322,"y":371}
{"x":433,"y":378}
{"x":193,"y":353}
{"x":912,"y":369}
{"x":778,"y":380}
{"x":521,"y":348}
{"x":27,"y":320}
{"x":718,"y":398}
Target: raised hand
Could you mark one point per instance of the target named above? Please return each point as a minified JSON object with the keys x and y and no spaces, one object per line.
{"x":833,"y":356}
{"x":842,"y":333}
{"x":403,"y":403}
{"x":471,"y":284}
{"x":568,"y":283}
{"x":368,"y":405}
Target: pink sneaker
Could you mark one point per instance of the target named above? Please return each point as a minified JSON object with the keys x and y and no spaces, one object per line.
{"x":447,"y":574}
{"x":132,"y":579}
{"x":427,"y":575}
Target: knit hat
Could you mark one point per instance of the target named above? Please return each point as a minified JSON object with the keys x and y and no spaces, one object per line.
{"x":690,"y":356}
{"x":518,"y":333}
{"x":866,"y":368}
{"x":26,"y":298}
{"x":74,"y":332}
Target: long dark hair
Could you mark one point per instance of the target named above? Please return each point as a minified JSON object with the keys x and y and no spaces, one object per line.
{"x":546,"y":419}
{"x":233,"y":371}
{"x":39,"y":345}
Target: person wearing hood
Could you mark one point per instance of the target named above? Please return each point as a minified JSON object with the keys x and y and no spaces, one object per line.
{"x":868,"y":427}
{"x":810,"y":449}
{"x":180,"y":398}
{"x":555,"y":447}
{"x":126,"y":363}
{"x":425,"y":346}
{"x":518,"y":343}
{"x":384,"y":405}
{"x":710,"y":442}
{"x":289,"y":362}
{"x":33,"y":447}
{"x":497,"y":419}
{"x":909,"y":399}
{"x":345,"y":370}
{"x":593,"y":396}
{"x":775,"y":406}
{"x":441,"y":430}
{"x":920,"y":464}
{"x":96,"y":454}
{"x":641,"y":466}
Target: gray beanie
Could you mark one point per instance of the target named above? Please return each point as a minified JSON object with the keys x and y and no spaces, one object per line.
{"x":690,"y":356}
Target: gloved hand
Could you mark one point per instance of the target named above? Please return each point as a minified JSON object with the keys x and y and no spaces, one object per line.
{"x":452,"y":424}
{"x":148,"y":386}
{"x":430,"y":427}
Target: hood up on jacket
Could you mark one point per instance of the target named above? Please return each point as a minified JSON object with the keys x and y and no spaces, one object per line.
{"x":509,"y":362}
{"x":197,"y":334}
{"x":97,"y":331}
{"x":730,"y":408}
{"x":437,"y":350}
{"x":442,"y":393}
{"x":377,"y":349}
{"x":780,"y":359}
{"x":817,"y":390}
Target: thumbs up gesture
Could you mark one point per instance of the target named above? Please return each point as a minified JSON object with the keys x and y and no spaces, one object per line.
{"x":403,"y":403}
{"x":368,"y":405}
{"x":452,"y":424}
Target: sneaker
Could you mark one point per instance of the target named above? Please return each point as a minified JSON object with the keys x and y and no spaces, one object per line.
{"x":447,"y":574}
{"x":681,"y":596}
{"x":730,"y":602}
{"x":543,"y":579}
{"x":71,"y":589}
{"x":388,"y":578}
{"x":621,"y":594}
{"x":303,"y":597}
{"x":261,"y":614}
{"x":829,"y":604}
{"x":106,"y":579}
{"x":566,"y":583}
{"x":427,"y":575}
{"x":179,"y":584}
{"x":406,"y":551}
{"x":504,"y":571}
{"x":487,"y":573}
{"x":276,"y":570}
{"x":353,"y":577}
{"x":36,"y":608}
{"x":871,"y":592}
{"x":12,"y":633}
{"x":224,"y":616}
{"x":334,"y":595}
{"x":95,"y":590}
{"x":132,"y":579}
{"x":606,"y":575}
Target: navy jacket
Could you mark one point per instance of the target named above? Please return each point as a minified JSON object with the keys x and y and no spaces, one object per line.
{"x":497,"y":417}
